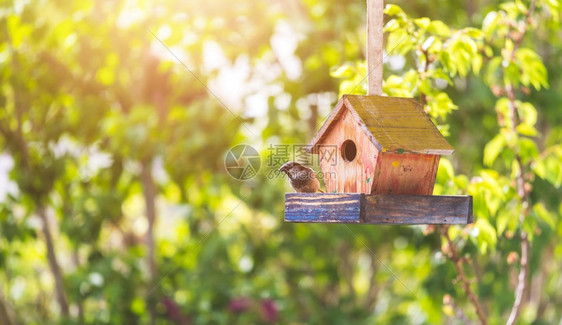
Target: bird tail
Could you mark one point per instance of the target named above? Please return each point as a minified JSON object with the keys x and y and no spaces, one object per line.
{"x":319,"y":190}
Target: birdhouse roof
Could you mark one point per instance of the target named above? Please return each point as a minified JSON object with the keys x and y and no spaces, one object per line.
{"x":393,"y":124}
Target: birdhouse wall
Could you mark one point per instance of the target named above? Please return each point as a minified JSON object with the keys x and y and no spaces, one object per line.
{"x":405,"y":173}
{"x":343,"y":176}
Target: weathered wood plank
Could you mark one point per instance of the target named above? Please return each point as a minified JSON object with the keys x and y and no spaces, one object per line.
{"x":341,"y":176}
{"x":375,"y":22}
{"x":417,"y":209}
{"x":406,"y":173}
{"x":377,"y":209}
{"x":323,"y":207}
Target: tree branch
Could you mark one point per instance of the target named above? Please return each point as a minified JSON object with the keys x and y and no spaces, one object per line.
{"x":347,"y":269}
{"x":80,"y":301}
{"x":521,"y":280}
{"x":371,"y":297}
{"x":53,"y":262}
{"x":427,"y":62}
{"x":520,"y":181}
{"x":453,"y":254}
{"x":523,"y":195}
{"x":459,"y":313}
{"x":149,"y":192}
{"x":7,"y":316}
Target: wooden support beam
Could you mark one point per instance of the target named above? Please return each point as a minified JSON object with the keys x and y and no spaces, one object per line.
{"x":375,"y":14}
{"x":378,"y":209}
{"x":417,"y":209}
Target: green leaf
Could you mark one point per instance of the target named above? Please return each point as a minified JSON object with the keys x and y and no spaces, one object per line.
{"x":473,"y":32}
{"x":549,"y":167}
{"x":490,"y":23}
{"x":511,"y":74}
{"x":513,"y":9}
{"x":461,"y":181}
{"x":489,"y":192}
{"x":504,"y":219}
{"x":508,"y":217}
{"x":554,"y":10}
{"x":393,"y":10}
{"x":445,"y":171}
{"x":425,"y":86}
{"x":439,"y":74}
{"x":399,"y":42}
{"x":493,"y":71}
{"x":401,"y":86}
{"x":440,"y":105}
{"x":493,"y":149}
{"x":437,"y":27}
{"x":487,"y":236}
{"x":526,"y":129}
{"x":449,"y":66}
{"x":533,"y":71}
{"x":528,"y":113}
{"x":391,"y":26}
{"x":343,"y":71}
{"x":502,"y":107}
{"x":544,"y":215}
{"x":422,"y":23}
{"x":488,"y":51}
{"x":476,"y":63}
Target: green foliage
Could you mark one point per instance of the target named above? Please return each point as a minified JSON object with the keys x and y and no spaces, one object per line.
{"x":548,"y":167}
{"x":95,"y":113}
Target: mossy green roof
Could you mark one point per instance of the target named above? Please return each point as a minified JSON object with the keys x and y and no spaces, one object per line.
{"x":393,"y":124}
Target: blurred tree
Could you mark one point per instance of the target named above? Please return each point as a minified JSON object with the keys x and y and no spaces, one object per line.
{"x":32,"y":121}
{"x":116,"y":115}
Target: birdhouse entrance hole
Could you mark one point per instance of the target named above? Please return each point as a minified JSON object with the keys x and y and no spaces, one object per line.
{"x":348,"y":150}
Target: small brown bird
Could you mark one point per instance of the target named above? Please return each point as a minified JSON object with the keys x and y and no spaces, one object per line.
{"x":302,"y":179}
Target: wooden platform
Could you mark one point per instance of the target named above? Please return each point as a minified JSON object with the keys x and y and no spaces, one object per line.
{"x":377,"y":209}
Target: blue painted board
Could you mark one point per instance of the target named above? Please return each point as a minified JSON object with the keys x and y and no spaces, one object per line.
{"x":323,"y":207}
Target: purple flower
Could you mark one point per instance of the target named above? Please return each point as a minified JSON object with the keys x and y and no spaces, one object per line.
{"x":173,"y":311}
{"x":269,"y":310}
{"x":239,"y":305}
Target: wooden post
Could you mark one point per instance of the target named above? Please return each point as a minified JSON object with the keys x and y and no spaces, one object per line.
{"x":375,"y":13}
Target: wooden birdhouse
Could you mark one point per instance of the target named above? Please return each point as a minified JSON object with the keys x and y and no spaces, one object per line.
{"x":384,"y":145}
{"x":379,"y":157}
